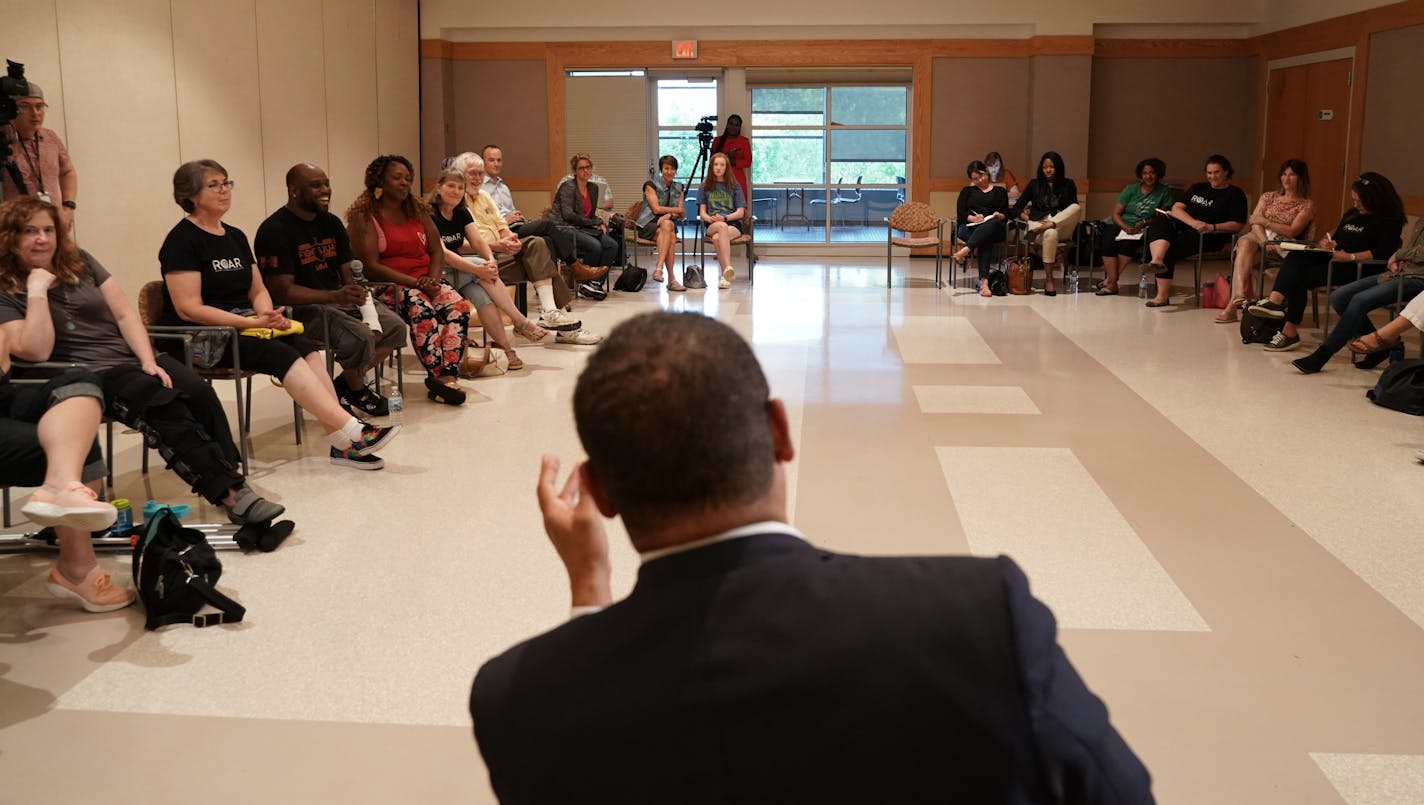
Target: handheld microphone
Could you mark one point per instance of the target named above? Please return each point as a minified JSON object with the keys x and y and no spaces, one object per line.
{"x":368,"y":307}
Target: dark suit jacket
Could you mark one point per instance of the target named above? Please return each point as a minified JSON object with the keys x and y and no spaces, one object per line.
{"x":763,"y":669}
{"x":566,"y":209}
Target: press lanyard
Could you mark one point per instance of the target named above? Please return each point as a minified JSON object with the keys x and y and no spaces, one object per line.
{"x":34,"y":162}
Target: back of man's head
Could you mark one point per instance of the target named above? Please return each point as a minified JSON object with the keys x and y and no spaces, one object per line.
{"x":673,"y":412}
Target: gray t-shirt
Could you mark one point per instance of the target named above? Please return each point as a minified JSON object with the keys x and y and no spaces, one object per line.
{"x":84,"y":327}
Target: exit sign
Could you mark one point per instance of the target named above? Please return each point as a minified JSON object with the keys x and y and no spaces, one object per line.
{"x":684,"y":49}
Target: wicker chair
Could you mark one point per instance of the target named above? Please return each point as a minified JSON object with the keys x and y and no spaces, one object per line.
{"x":916,"y":220}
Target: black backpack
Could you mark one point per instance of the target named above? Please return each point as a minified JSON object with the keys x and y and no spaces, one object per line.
{"x":632,"y":279}
{"x":998,"y":282}
{"x":174,"y":572}
{"x":1258,"y":329}
{"x":1401,"y":387}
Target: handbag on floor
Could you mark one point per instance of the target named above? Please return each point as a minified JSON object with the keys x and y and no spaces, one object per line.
{"x":1401,"y":387}
{"x":632,"y":279}
{"x":1020,"y":274}
{"x":998,"y":283}
{"x":1258,"y":329}
{"x":175,"y":572}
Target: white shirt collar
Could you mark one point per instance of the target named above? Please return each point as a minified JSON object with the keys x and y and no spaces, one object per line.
{"x":764,"y":527}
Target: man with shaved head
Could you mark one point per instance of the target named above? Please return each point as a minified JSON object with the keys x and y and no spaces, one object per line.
{"x":305,"y":258}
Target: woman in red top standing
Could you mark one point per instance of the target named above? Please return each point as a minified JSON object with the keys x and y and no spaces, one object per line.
{"x":738,"y":150}
{"x":393,"y":235}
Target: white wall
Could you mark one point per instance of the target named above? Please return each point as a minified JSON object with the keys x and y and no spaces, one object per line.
{"x":1290,"y":13}
{"x":137,"y":87}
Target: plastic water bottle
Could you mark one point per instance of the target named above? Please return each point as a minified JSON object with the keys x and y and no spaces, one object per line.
{"x":123,"y":523}
{"x":394,"y":401}
{"x":1142,"y":286}
{"x":1073,"y":281}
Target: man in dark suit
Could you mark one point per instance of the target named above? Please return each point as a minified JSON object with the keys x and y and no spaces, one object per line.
{"x":748,"y":666}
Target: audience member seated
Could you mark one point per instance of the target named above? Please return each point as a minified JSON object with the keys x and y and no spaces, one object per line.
{"x":1214,"y":208}
{"x":1050,"y":205}
{"x":392,"y":234}
{"x":1355,"y":301}
{"x":1369,"y":230}
{"x":560,"y":241}
{"x":1120,"y":241}
{"x":305,"y":258}
{"x":576,"y":208}
{"x":1285,"y":212}
{"x":476,"y":277}
{"x":1388,"y":341}
{"x":525,"y":260}
{"x":210,"y":279}
{"x":595,"y":287}
{"x":738,"y":149}
{"x":88,"y":320}
{"x":47,"y":440}
{"x":657,"y":218}
{"x":1001,"y":176}
{"x":981,"y":212}
{"x":719,"y":678}
{"x":723,"y":208}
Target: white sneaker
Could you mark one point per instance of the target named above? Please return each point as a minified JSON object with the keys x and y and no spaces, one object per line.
{"x":580,"y":336}
{"x":559,"y":321}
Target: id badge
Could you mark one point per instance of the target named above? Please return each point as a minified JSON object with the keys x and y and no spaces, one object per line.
{"x":45,"y":197}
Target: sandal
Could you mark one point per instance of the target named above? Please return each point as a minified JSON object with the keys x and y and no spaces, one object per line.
{"x":446,"y":392}
{"x":1104,"y":290}
{"x":531,"y":331}
{"x":1227,"y":315}
{"x":984,"y":290}
{"x":515,"y":364}
{"x":1360,"y":346}
{"x":657,"y":275}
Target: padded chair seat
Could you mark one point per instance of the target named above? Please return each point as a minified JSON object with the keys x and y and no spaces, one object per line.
{"x":737,"y":241}
{"x":928,"y":240}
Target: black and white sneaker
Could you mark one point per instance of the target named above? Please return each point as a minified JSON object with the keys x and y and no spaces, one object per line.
{"x":365,"y":402}
{"x":350,"y":457}
{"x":1280,"y":342}
{"x":593,"y":290}
{"x":1267,"y":309}
{"x":373,"y":439}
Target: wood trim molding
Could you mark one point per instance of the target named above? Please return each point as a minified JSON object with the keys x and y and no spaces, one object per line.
{"x":921,"y":127}
{"x":554,"y":83}
{"x":1414,"y":205}
{"x":482,"y":51}
{"x":1175,"y":48}
{"x":1061,"y":45}
{"x":1342,"y":31}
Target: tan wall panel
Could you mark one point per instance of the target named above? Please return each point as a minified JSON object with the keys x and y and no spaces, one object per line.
{"x":292,"y":82}
{"x":1062,"y":87}
{"x":349,"y":31}
{"x":1393,"y":117}
{"x":218,"y":105}
{"x":978,"y":106}
{"x":437,"y":121}
{"x":398,"y":77}
{"x":504,"y":102}
{"x":125,"y":142}
{"x":29,"y":36}
{"x":1180,"y":110}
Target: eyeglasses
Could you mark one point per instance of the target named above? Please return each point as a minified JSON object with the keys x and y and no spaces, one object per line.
{"x":218,"y":187}
{"x":33,"y":107}
{"x":584,"y":167}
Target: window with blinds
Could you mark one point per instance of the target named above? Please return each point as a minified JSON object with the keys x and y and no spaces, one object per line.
{"x":606,"y":117}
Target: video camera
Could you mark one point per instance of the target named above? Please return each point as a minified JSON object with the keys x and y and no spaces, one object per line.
{"x":706,"y":127}
{"x":13,"y":85}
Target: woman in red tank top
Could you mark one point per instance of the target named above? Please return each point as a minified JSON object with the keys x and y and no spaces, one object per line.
{"x":393,"y":235}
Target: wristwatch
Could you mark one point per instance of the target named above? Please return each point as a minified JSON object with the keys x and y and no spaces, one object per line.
{"x":67,"y":203}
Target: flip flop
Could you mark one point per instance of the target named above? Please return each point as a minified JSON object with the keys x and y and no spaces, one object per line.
{"x":1155,"y":303}
{"x":1103,"y":291}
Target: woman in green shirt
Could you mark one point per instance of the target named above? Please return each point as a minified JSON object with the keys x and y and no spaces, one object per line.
{"x":1121,"y":240}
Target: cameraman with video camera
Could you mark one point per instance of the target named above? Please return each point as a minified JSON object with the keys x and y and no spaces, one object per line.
{"x":738,"y":150}
{"x":38,"y":164}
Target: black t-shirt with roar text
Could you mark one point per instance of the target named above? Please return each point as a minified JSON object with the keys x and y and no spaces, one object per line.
{"x":224,"y":261}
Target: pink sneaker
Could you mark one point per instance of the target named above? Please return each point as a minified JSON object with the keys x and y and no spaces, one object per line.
{"x":96,"y":593}
{"x":77,"y":507}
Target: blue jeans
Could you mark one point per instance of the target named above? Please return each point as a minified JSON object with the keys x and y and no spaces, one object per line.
{"x":1355,"y":301}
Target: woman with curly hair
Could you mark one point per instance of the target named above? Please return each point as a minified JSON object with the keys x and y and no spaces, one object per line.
{"x":393,"y":235}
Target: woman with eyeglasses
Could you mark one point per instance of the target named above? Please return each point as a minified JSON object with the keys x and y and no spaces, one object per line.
{"x":210,"y":278}
{"x":1369,"y":230}
{"x":575,"y":206}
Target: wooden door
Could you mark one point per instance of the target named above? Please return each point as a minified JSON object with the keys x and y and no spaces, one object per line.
{"x":1308,"y":116}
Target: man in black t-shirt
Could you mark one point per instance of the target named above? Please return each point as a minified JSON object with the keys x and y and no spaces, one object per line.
{"x":305,"y":259}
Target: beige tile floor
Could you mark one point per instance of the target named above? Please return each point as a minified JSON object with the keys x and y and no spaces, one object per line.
{"x":1233,"y":551}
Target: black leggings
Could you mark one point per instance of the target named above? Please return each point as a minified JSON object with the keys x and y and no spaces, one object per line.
{"x":1301,"y":271}
{"x":186,"y":423}
{"x":22,"y":460}
{"x":1184,"y":241}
